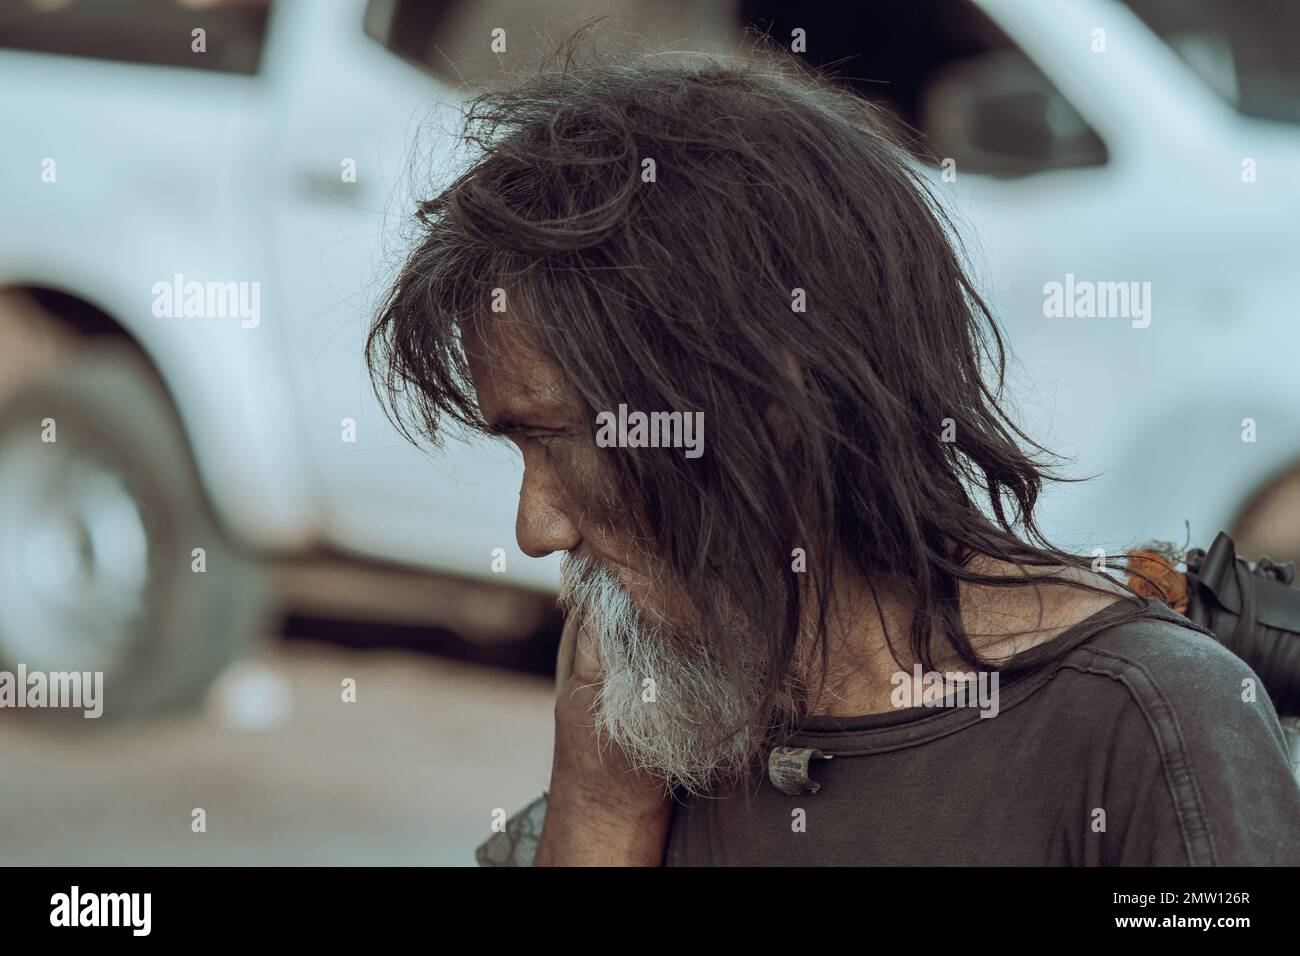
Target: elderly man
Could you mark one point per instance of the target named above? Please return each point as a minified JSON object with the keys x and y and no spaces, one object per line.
{"x":826,"y":630}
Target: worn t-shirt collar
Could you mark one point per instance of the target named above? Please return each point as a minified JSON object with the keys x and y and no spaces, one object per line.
{"x":1018,"y":678}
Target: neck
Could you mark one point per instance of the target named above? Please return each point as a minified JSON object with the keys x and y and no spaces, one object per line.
{"x":999,"y":622}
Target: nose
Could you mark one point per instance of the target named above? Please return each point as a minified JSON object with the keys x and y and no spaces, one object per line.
{"x":542,"y":524}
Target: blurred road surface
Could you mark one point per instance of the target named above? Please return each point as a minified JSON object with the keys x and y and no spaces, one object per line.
{"x":287,"y":772}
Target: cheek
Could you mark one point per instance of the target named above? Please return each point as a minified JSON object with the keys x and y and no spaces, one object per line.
{"x":583,"y":472}
{"x":607,"y":521}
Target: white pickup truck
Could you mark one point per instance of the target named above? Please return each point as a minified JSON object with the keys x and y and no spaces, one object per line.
{"x":215,"y":212}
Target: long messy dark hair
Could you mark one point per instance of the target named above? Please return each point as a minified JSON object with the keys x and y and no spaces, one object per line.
{"x":675,"y":291}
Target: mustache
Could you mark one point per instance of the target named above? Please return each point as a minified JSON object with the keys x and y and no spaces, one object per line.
{"x":577,"y":576}
{"x":581,"y":579}
{"x":590,"y":589}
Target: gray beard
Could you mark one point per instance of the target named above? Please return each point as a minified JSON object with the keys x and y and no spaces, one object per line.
{"x":664,"y":701}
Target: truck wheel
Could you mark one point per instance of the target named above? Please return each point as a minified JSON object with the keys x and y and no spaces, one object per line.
{"x":101,"y":516}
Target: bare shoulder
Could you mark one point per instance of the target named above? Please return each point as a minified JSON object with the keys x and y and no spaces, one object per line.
{"x":1007,"y":621}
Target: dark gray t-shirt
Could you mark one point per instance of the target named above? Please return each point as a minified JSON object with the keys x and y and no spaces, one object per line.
{"x":1123,"y":744}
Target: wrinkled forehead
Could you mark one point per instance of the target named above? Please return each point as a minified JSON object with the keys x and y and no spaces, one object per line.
{"x":515,"y":379}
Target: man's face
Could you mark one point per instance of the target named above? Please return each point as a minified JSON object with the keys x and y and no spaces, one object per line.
{"x":567,"y":501}
{"x":638,"y":612}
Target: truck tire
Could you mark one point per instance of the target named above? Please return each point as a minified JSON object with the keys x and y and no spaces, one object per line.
{"x":101,"y":517}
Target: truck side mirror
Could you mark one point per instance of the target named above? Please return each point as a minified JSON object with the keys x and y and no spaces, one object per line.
{"x":997,"y":114}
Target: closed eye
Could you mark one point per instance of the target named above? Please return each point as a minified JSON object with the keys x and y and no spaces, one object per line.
{"x":521,"y":433}
{"x":543,"y":439}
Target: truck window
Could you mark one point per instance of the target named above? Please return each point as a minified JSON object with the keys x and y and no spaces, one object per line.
{"x":452,"y":39}
{"x":153,"y":32}
{"x":1245,"y":52}
{"x":954,"y":83}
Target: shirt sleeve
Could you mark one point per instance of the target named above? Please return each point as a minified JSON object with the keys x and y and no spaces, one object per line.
{"x":1202,"y":775}
{"x":516,"y":845}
